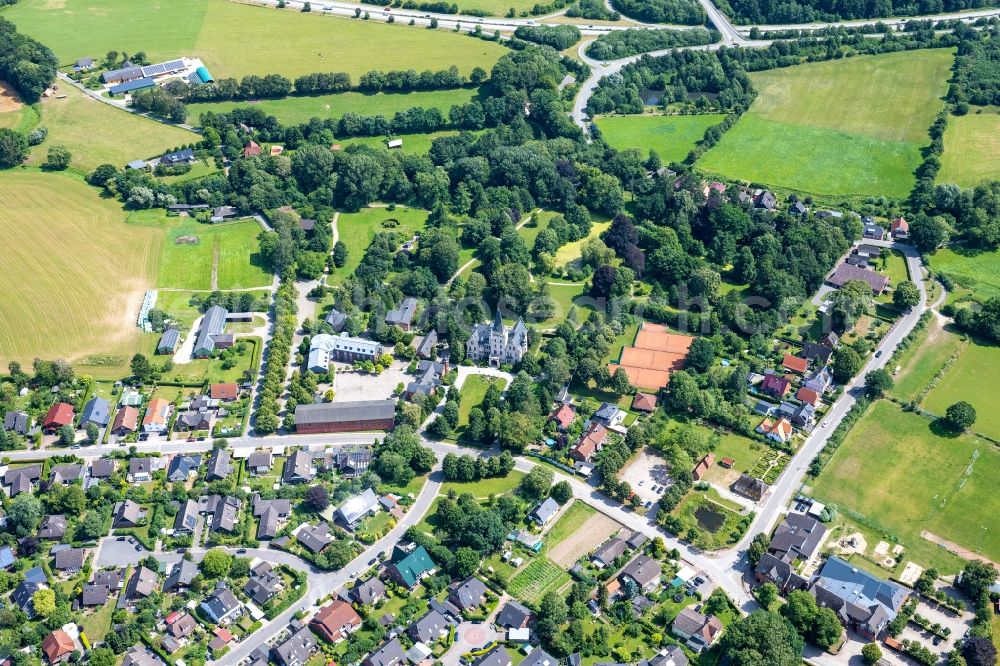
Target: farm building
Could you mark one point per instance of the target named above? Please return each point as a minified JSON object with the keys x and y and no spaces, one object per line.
{"x":358,"y":415}
{"x":211,"y":336}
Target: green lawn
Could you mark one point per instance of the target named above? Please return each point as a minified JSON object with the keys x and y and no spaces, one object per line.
{"x":358,"y":229}
{"x":973,"y":378}
{"x":672,"y":137}
{"x":971,"y":148}
{"x":59,"y":297}
{"x":536,"y":579}
{"x":842,"y":127}
{"x":571,"y":251}
{"x":96,"y":133}
{"x":970,"y":268}
{"x":895,"y":471}
{"x":569,"y":522}
{"x":472,"y":393}
{"x":921,"y":362}
{"x":297,"y":110}
{"x":484,"y":488}
{"x":566,"y":296}
{"x":261,"y":45}
{"x":231,"y":247}
{"x":97,"y":623}
{"x":413,"y":144}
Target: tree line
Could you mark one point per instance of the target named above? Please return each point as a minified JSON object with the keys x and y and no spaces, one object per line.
{"x":683,"y":12}
{"x":808,"y":11}
{"x":624,"y":43}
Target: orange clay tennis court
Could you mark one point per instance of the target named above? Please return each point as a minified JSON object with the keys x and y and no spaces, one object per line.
{"x":654,"y":355}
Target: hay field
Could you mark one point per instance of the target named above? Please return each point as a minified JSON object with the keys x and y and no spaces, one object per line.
{"x":971,"y":148}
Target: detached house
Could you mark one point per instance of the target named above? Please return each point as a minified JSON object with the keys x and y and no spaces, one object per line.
{"x":644,"y":571}
{"x":775,"y":385}
{"x":96,"y":411}
{"x":59,"y":415}
{"x":861,"y":601}
{"x":335,"y":621}
{"x":157,"y":416}
{"x":750,"y":487}
{"x":698,"y":631}
{"x":408,"y":567}
{"x":779,"y":430}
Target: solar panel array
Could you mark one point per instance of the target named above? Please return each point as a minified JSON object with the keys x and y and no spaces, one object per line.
{"x":163,"y":68}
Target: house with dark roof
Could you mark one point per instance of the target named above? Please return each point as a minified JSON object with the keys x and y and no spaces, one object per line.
{"x":795,"y":541}
{"x":187,"y":517}
{"x":513,"y":615}
{"x":22,"y":479}
{"x":539,"y":657}
{"x":219,"y":465}
{"x":180,"y":576}
{"x":263,"y":585}
{"x":644,"y":571}
{"x":183,"y":156}
{"x":169,"y":340}
{"x":314,"y":537}
{"x":102,"y":468}
{"x":496,"y":343}
{"x":52,"y":527}
{"x":222,"y":606}
{"x":861,"y":601}
{"x":407,"y":567}
{"x":403,"y":315}
{"x":140,"y":469}
{"x":608,"y":552}
{"x":764,"y":199}
{"x":426,"y":345}
{"x":96,"y":411}
{"x":672,"y":655}
{"x":223,"y":511}
{"x":819,"y":381}
{"x":299,"y":468}
{"x":260,"y":462}
{"x":127,"y":514}
{"x":389,"y":654}
{"x":7,"y":558}
{"x":872,"y":230}
{"x":352,"y":416}
{"x":23,"y":593}
{"x":183,"y":467}
{"x":427,"y":379}
{"x":270,"y":514}
{"x":193,"y":421}
{"x":70,"y":560}
{"x":351,"y":464}
{"x":65,"y":474}
{"x":429,"y":628}
{"x":498,"y":656}
{"x":94,"y":595}
{"x":60,"y":414}
{"x":369,"y":592}
{"x":335,"y":621}
{"x":469,"y":595}
{"x":296,"y":649}
{"x":816,"y":353}
{"x":210,"y":335}
{"x":17,"y":422}
{"x":698,"y":631}
{"x":142,"y":584}
{"x":846,"y":273}
{"x":750,"y":487}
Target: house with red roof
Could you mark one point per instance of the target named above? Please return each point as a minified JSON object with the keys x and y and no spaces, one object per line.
{"x":899,"y":228}
{"x":808,"y":396}
{"x":59,"y":415}
{"x":795,"y":364}
{"x":252,"y":149}
{"x":592,"y":441}
{"x":775,"y":385}
{"x":703,"y":466}
{"x":58,"y":646}
{"x":563,"y":416}
{"x":644,"y":402}
{"x":780,"y":430}
{"x":224,"y":392}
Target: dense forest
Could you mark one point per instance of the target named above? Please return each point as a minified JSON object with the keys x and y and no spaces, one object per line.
{"x":681,"y":12}
{"x":27,"y":65}
{"x":624,"y":43}
{"x":807,"y":11}
{"x":977,"y":71}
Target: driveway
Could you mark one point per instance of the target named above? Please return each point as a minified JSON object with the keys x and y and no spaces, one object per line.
{"x":186,"y":350}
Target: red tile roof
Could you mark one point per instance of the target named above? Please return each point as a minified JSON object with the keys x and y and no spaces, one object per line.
{"x":590,"y":443}
{"x":127,"y":417}
{"x":899,"y":224}
{"x":794,"y":363}
{"x":252,"y":149}
{"x":59,"y":414}
{"x":330,"y":619}
{"x":564,"y":416}
{"x":57,"y":645}
{"x":224,"y":391}
{"x":808,"y":395}
{"x":703,"y":466}
{"x":775,"y":384}
{"x":644,"y":402}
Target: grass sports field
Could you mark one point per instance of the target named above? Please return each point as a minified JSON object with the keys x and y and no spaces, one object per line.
{"x":843,"y":127}
{"x":74,"y":278}
{"x":96,"y":133}
{"x":357,"y":230}
{"x":672,"y":137}
{"x":269,"y":41}
{"x":970,"y":268}
{"x":296,"y":110}
{"x":895,"y":471}
{"x":193,"y":252}
{"x":971,"y":148}
{"x":972,"y":377}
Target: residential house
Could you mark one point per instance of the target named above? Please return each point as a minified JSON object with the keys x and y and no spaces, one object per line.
{"x":142,"y":584}
{"x":58,"y":646}
{"x":17,"y":422}
{"x":219,"y":465}
{"x":181,"y":625}
{"x":644,"y":571}
{"x":70,"y":560}
{"x":861,"y":601}
{"x":296,"y":649}
{"x":52,"y":527}
{"x":804,"y":416}
{"x":608,"y":552}
{"x":798,"y":208}
{"x":263,"y":585}
{"x":609,"y":415}
{"x":335,"y":621}
{"x":698,"y":631}
{"x":315,"y":537}
{"x":593,"y":440}
{"x":22,"y":479}
{"x":796,"y":540}
{"x":407,"y":567}
{"x":795,"y":364}
{"x":808,"y":396}
{"x":539,"y":657}
{"x":126,"y":421}
{"x":644,"y":402}
{"x":357,"y":507}
{"x":65,"y":474}
{"x":872,"y":230}
{"x":498,"y":656}
{"x":899,"y":228}
{"x":251,"y":149}
{"x":94,"y":595}
{"x":427,"y":379}
{"x":187,"y":517}
{"x":369,"y":592}
{"x":169,"y":341}
{"x":703,"y":466}
{"x":139,"y":655}
{"x":819,"y":381}
{"x":102,"y":468}
{"x":96,"y":411}
{"x":775,"y":385}
{"x":778,"y":430}
{"x":157,"y":416}
{"x":672,"y":655}
{"x":429,"y":628}
{"x":403,"y":315}
{"x":60,"y":414}
{"x":227,"y":392}
{"x":846,"y":273}
{"x":764,"y":199}
{"x":7,"y":558}
{"x":351,"y":464}
{"x":180,"y":576}
{"x":140,"y":470}
{"x":193,"y":421}
{"x":299,"y":468}
{"x":260,"y":463}
{"x":389,"y":654}
{"x":23,"y":593}
{"x":469,"y":595}
{"x":513,"y":615}
{"x":426,"y":345}
{"x":224,"y":512}
{"x":183,"y":467}
{"x":183,"y":156}
{"x":544,"y":511}
{"x":336,"y":320}
{"x":750,"y":487}
{"x":222,"y":606}
{"x":211,"y":335}
{"x":563,"y":416}
{"x":496,"y":343}
{"x":270,"y":514}
{"x":127,"y":514}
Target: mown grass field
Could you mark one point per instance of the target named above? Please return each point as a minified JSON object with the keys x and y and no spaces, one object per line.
{"x":232,"y":248}
{"x":570,"y":521}
{"x":842,"y":127}
{"x":358,"y":229}
{"x":923,"y":360}
{"x":413,"y":144}
{"x":296,"y":110}
{"x":971,"y":148}
{"x":970,"y":268}
{"x":96,"y":133}
{"x":536,"y":579}
{"x":472,"y":392}
{"x":268,"y":40}
{"x":972,"y":378}
{"x":483,"y":488}
{"x":72,"y":274}
{"x":672,"y":137}
{"x":895,"y":471}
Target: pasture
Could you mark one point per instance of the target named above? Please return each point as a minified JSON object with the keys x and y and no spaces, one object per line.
{"x":75,"y":276}
{"x":970,"y":268}
{"x":96,"y":133}
{"x":211,"y":256}
{"x":539,"y":577}
{"x":298,"y":110}
{"x":971,"y":148}
{"x":924,"y":359}
{"x":894,"y":470}
{"x":204,"y":29}
{"x":842,"y":127}
{"x":357,"y":230}
{"x":672,"y":137}
{"x":972,"y":377}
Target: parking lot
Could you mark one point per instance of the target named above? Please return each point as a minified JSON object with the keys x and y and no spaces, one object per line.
{"x":349,"y":385}
{"x":648,"y":474}
{"x":120,"y":552}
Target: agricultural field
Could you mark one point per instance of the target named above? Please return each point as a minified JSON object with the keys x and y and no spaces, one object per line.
{"x":902,"y":477}
{"x":539,"y":577}
{"x":298,"y":110}
{"x":972,"y":378}
{"x":971,"y":148}
{"x":211,"y":256}
{"x":358,"y":229}
{"x":969,"y":268}
{"x":571,"y":519}
{"x":204,"y":29}
{"x":924,"y":359}
{"x":672,"y":137}
{"x":842,"y":127}
{"x":96,"y":133}
{"x":59,"y":301}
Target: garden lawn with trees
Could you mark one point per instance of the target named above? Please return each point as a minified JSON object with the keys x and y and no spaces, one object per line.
{"x":971,"y":148}
{"x":69,"y":240}
{"x":672,"y":137}
{"x":356,"y":230}
{"x":898,"y":473}
{"x":972,"y":378}
{"x":841,"y":127}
